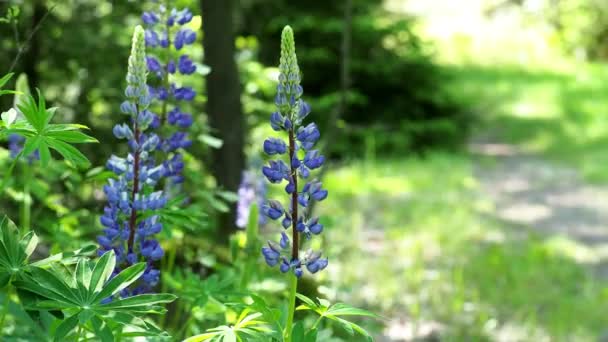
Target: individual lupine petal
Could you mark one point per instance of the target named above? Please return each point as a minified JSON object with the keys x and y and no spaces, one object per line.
{"x":151,"y":38}
{"x":171,"y":67}
{"x":284,"y":266}
{"x":144,"y":119}
{"x":128,"y":107}
{"x":184,"y":93}
{"x":314,"y":189}
{"x":171,"y":17}
{"x":184,"y":16}
{"x":131,"y":258}
{"x":104,"y":241}
{"x":295,"y":162}
{"x":298,"y":272}
{"x":271,"y":254}
{"x":304,"y":172}
{"x":290,"y":187}
{"x":303,"y":110}
{"x":150,"y":143}
{"x":308,"y":136}
{"x":117,"y":165}
{"x":184,"y":37}
{"x":314,"y":226}
{"x":284,"y":243}
{"x":164,"y":40}
{"x":300,"y":226}
{"x":276,"y":121}
{"x":286,"y":223}
{"x":287,"y":123}
{"x":151,"y":276}
{"x":152,"y":249}
{"x":276,"y":172}
{"x":122,"y":131}
{"x":185,"y":65}
{"x":274,"y":146}
{"x":149,"y":18}
{"x":303,"y":198}
{"x":317,"y":265}
{"x":154,"y":65}
{"x":313,"y":159}
{"x":273,"y":209}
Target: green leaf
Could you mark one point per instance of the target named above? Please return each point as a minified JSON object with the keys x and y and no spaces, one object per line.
{"x":311,"y":305}
{"x":102,"y":330}
{"x":45,"y":154}
{"x":65,"y":327}
{"x":341,"y":309}
{"x":29,"y":243}
{"x":122,"y":280}
{"x":68,"y":152}
{"x":50,"y":285}
{"x":32,"y":145}
{"x":5,"y":79}
{"x":102,"y":271}
{"x":66,"y":258}
{"x":142,"y":300}
{"x":74,"y":137}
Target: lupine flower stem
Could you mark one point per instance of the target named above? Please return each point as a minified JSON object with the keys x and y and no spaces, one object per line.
{"x":291,"y":111}
{"x":133,"y":217}
{"x":294,"y":199}
{"x":26,"y":205}
{"x":293,"y":288}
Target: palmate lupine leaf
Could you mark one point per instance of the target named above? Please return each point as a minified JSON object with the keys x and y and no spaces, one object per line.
{"x":15,"y":251}
{"x":43,"y":136}
{"x":248,"y":327}
{"x":334,"y":312}
{"x":82,"y":295}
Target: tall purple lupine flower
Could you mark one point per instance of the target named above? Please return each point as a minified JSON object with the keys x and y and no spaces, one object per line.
{"x":251,"y":190}
{"x":166,"y":34}
{"x":128,"y":216}
{"x":301,"y":159}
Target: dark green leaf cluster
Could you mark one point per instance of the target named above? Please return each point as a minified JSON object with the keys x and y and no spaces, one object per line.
{"x":76,"y":289}
{"x":41,"y":135}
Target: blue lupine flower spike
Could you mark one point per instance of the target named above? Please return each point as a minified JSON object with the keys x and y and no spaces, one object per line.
{"x":128,"y":218}
{"x":295,"y":158}
{"x":166,"y":36}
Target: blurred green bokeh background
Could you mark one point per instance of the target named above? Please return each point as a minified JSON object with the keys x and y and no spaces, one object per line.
{"x":468,"y":139}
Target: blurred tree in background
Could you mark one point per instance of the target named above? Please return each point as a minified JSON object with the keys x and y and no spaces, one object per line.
{"x":395,"y":87}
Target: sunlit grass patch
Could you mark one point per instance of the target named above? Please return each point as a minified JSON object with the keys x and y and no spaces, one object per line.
{"x":433,"y":252}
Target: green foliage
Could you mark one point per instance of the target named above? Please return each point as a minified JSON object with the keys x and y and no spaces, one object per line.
{"x":15,"y":251}
{"x":41,"y":135}
{"x":83,"y":292}
{"x":334,"y":312}
{"x":248,"y":326}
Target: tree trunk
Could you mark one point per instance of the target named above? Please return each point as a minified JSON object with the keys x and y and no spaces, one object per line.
{"x":223,"y":101}
{"x":32,"y":47}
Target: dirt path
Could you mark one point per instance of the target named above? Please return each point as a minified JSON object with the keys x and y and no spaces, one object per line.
{"x":531,"y":192}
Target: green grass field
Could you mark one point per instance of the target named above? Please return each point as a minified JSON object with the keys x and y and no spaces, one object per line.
{"x":560,"y":113}
{"x":429,"y":249}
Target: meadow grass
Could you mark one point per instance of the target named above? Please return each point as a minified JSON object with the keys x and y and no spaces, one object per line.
{"x":420,"y":242}
{"x":560,"y":112}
